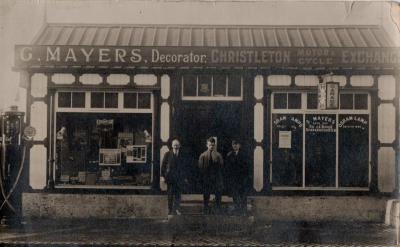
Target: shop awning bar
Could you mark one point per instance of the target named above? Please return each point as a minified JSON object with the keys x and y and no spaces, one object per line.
{"x":214,"y":36}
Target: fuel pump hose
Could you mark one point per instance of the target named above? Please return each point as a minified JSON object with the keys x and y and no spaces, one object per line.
{"x":3,"y":192}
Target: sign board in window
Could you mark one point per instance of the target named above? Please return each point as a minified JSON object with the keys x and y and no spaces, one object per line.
{"x":105,"y":124}
{"x":109,"y":157}
{"x":136,"y":154}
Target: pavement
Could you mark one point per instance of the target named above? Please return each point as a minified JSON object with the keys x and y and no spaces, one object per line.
{"x":204,"y":231}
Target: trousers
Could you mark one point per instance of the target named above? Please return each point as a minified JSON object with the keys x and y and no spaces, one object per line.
{"x":174,"y":197}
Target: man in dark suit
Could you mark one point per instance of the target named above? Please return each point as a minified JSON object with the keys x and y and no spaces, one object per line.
{"x":211,"y":165}
{"x":174,"y":171}
{"x":237,"y":172}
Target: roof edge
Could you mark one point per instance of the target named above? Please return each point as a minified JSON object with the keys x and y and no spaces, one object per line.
{"x":39,"y":33}
{"x":205,"y":25}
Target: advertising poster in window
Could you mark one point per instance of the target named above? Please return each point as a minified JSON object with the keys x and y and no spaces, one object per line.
{"x":109,"y":157}
{"x":124,"y":139}
{"x":287,"y":141}
{"x":136,"y":154}
{"x":320,"y":150}
{"x":353,"y":150}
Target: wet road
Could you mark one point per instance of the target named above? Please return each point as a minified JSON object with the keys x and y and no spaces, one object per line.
{"x":214,"y":232}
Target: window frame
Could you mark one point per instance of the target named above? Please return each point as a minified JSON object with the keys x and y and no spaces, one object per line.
{"x":212,"y":97}
{"x":88,"y":109}
{"x":337,"y":112}
{"x":120,"y":107}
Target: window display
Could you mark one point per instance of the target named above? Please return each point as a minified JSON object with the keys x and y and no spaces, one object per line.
{"x":103,"y":148}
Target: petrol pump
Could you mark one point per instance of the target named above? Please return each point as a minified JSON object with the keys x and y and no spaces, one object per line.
{"x":12,"y":162}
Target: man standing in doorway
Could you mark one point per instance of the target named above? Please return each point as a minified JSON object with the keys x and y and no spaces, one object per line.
{"x":211,"y":165}
{"x":174,"y":170}
{"x":237,"y":172}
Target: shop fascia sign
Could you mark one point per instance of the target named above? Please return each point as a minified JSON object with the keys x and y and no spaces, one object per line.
{"x":127,"y":56}
{"x":328,"y":95}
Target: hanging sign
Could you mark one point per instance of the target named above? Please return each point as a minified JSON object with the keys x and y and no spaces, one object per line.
{"x":322,"y":96}
{"x":328,"y":95}
{"x":332,"y":95}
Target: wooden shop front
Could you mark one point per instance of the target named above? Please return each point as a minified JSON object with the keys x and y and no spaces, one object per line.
{"x":106,"y":101}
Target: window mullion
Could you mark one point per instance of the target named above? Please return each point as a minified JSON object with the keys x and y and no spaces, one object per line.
{"x":137,"y":100}
{"x":87,"y":100}
{"x":212,"y":86}
{"x":226,"y":86}
{"x":197,"y":86}
{"x":337,"y":150}
{"x":304,"y":150}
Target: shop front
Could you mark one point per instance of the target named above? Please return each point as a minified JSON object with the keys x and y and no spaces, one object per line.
{"x":107,"y":100}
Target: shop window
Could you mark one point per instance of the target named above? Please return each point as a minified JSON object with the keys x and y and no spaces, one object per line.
{"x":354,"y":101}
{"x":204,"y":85}
{"x":103,"y":149}
{"x":280,"y":100}
{"x":64,"y":99}
{"x":361,"y":101}
{"x":219,"y":85}
{"x":78,"y":99}
{"x":144,"y":100}
{"x":321,"y":148}
{"x":287,"y":149}
{"x":346,"y":101}
{"x":353,"y":150}
{"x":312,"y":101}
{"x":287,"y":101}
{"x":189,"y":85}
{"x":97,"y":100}
{"x":111,"y":100}
{"x":294,"y":101}
{"x":130,"y":100}
{"x":234,"y":86}
{"x":211,"y":87}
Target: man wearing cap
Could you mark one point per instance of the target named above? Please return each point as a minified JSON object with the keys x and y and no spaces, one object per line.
{"x":237,"y":173}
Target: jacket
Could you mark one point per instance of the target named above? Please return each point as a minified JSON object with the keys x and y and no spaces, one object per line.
{"x":237,"y":169}
{"x":174,"y":168}
{"x":211,"y":169}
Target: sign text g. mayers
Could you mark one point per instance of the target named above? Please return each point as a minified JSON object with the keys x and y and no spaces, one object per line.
{"x":26,"y":56}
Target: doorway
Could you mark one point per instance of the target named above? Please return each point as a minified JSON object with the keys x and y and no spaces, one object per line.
{"x":197,"y":121}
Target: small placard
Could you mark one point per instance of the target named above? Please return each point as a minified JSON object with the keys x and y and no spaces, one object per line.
{"x":285,"y":139}
{"x":82,"y":177}
{"x":64,"y":178}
